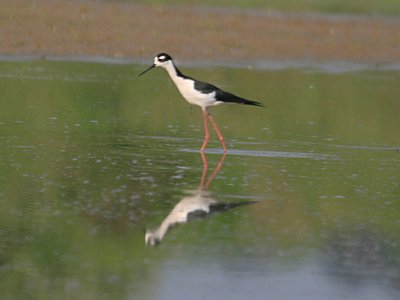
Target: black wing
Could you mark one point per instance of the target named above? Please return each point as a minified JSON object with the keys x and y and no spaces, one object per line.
{"x":204,"y":87}
{"x":224,"y":206}
{"x":231,"y":98}
{"x":220,"y":95}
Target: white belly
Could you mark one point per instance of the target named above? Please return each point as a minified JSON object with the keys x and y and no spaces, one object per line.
{"x":191,"y":95}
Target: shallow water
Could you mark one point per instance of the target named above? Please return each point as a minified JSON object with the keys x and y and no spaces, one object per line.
{"x":93,"y":158}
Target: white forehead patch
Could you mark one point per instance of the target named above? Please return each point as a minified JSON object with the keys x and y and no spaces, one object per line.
{"x":162,"y":57}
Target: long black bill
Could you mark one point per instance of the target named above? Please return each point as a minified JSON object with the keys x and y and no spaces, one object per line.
{"x":151,"y":67}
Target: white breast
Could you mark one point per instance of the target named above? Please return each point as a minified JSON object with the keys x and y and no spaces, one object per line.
{"x":191,"y":95}
{"x":187,"y":90}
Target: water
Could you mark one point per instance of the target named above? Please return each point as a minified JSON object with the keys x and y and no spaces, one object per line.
{"x":93,"y":158}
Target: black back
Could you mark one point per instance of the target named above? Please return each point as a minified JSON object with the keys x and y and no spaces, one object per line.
{"x":207,"y":88}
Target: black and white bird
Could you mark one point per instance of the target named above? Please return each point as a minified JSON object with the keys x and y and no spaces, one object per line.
{"x":199,"y":93}
{"x":196,"y":205}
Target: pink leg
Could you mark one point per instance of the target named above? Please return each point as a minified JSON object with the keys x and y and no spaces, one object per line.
{"x":206,"y":132}
{"x":220,"y":137}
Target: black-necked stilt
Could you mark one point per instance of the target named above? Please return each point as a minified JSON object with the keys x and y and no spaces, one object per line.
{"x":197,"y":204}
{"x":198,"y":93}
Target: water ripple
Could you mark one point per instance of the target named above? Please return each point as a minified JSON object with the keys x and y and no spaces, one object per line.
{"x":258,"y":153}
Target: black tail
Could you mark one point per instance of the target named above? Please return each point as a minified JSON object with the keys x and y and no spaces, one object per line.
{"x":231,"y":98}
{"x":250,"y":102}
{"x":224,"y":206}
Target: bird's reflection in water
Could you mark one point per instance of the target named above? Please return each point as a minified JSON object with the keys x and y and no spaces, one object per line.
{"x":199,"y":203}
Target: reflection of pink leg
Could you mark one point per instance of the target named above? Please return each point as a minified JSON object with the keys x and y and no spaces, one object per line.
{"x":220,"y":137}
{"x":216,"y":170}
{"x":205,"y":168}
{"x":206,"y":132}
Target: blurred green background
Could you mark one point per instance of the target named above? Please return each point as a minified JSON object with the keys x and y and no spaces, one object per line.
{"x":367,"y":7}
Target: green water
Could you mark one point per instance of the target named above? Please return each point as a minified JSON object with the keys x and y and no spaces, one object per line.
{"x":92,"y":158}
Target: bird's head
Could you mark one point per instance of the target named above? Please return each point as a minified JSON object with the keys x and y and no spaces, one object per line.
{"x":152,"y":238}
{"x":161,"y":60}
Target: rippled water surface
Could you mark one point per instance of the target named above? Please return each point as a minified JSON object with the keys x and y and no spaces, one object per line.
{"x":96,"y":162}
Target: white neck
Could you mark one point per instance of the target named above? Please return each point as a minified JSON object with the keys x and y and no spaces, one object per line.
{"x":171,"y":69}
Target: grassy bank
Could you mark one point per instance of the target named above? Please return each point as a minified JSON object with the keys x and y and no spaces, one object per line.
{"x":125,"y":29}
{"x":367,"y":7}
